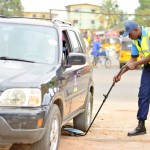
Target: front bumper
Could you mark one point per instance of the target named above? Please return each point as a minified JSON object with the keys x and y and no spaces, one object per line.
{"x":20,"y":126}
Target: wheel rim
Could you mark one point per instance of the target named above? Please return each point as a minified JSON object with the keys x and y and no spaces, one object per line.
{"x":54,"y":135}
{"x":107,"y":63}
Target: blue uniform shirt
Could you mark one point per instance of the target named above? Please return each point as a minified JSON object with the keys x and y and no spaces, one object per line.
{"x":134,"y":50}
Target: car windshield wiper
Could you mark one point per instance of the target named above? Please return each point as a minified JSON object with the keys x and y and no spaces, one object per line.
{"x":16,"y":59}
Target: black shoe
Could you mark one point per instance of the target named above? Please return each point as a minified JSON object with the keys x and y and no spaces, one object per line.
{"x":139,"y":130}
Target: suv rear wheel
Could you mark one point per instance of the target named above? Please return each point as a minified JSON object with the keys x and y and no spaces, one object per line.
{"x":83,"y":120}
{"x":50,"y":139}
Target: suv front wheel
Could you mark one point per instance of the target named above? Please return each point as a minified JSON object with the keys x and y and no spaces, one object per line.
{"x":50,"y":139}
{"x":83,"y":120}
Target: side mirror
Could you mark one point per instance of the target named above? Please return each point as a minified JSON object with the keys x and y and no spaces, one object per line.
{"x":76,"y":59}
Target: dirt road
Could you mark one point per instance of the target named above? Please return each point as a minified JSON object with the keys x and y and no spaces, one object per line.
{"x":109,"y":131}
{"x":117,"y":117}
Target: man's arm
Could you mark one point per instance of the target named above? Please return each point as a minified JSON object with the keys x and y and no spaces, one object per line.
{"x":117,"y":77}
{"x":132,"y":60}
{"x":133,"y":65}
{"x":134,"y":54}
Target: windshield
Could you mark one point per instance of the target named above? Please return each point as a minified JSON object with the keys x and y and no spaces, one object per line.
{"x":29,"y":42}
{"x":110,"y":40}
{"x":126,"y":45}
{"x":113,"y":41}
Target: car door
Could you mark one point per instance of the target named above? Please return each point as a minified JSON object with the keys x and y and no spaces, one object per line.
{"x":78,"y":74}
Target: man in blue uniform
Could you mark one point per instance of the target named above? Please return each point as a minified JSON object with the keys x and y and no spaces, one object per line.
{"x":140,"y":45}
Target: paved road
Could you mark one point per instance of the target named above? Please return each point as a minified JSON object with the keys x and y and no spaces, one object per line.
{"x":117,"y":117}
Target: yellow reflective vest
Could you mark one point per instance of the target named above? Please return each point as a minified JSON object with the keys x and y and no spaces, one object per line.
{"x":144,"y":46}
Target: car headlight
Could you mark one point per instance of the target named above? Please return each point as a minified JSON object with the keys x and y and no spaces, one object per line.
{"x":21,"y":97}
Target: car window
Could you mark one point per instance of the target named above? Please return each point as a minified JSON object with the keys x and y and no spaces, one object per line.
{"x":65,"y":47}
{"x":35,"y":43}
{"x":82,"y":43}
{"x":110,"y":40}
{"x":113,"y":40}
{"x":126,"y":45}
{"x":75,"y":43}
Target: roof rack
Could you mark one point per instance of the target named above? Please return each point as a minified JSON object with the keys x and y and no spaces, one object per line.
{"x":61,"y":21}
{"x":50,"y":19}
{"x":24,"y":17}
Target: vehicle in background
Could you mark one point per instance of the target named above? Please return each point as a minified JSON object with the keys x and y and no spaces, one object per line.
{"x":111,"y":42}
{"x":102,"y":58}
{"x":125,"y":52}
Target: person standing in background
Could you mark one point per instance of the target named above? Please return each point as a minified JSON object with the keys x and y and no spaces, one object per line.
{"x":95,"y":50}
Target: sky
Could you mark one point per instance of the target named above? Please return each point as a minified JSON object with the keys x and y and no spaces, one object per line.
{"x":127,"y":6}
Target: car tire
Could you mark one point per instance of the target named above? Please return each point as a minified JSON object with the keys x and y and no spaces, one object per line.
{"x":83,"y":120}
{"x":50,"y":140}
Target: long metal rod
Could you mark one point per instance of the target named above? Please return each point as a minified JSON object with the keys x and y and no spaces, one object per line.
{"x":105,"y":97}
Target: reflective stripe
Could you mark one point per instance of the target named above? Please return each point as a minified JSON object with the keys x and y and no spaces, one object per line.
{"x":148,"y":36}
{"x":145,"y":51}
{"x":145,"y":44}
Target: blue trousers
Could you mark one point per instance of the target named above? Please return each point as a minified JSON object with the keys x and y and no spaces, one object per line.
{"x":144,"y":94}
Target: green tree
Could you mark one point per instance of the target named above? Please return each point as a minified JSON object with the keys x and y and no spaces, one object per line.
{"x":143,"y":9}
{"x":107,"y":18}
{"x":11,"y":8}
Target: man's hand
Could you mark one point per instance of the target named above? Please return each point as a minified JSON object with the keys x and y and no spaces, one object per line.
{"x":116,"y":78}
{"x":131,"y":65}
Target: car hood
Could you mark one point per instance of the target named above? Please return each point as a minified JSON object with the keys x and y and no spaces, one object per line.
{"x":22,"y":74}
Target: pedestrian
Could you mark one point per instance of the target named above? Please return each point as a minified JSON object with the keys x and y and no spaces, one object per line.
{"x":140,"y":46}
{"x":95,"y":50}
